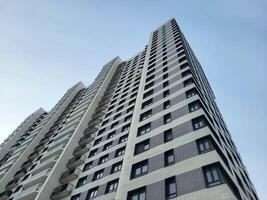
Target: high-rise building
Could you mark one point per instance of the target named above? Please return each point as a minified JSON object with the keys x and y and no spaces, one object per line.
{"x":146,"y":129}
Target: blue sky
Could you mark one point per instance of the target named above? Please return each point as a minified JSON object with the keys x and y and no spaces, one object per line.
{"x":47,"y":46}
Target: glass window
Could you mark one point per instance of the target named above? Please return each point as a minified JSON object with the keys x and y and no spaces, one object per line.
{"x":204,"y":145}
{"x":168,"y":136}
{"x":139,"y":169}
{"x":103,"y":159}
{"x":167,"y":118}
{"x":87,"y":166}
{"x":92,"y":193}
{"x":98,"y":175}
{"x":194,"y":106}
{"x":120,"y":152}
{"x":199,"y":123}
{"x":166,"y":104}
{"x":146,"y":115}
{"x":75,"y":197}
{"x":170,"y":188}
{"x":169,"y":157}
{"x":112,"y":186}
{"x":142,"y":146}
{"x":166,"y":93}
{"x":213,"y":175}
{"x":144,"y":129}
{"x":81,"y":181}
{"x":107,"y":146}
{"x":138,"y":194}
{"x":116,"y":167}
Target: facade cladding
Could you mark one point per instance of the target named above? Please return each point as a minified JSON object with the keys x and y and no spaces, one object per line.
{"x":146,"y":129}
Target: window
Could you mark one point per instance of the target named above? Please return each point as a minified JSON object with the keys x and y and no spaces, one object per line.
{"x":165,"y":84}
{"x":194,"y":106}
{"x":107,"y":146}
{"x":165,"y":75}
{"x":185,"y":73}
{"x":191,"y":93}
{"x":168,"y":136}
{"x":92,"y":193}
{"x":97,"y":141}
{"x":105,"y":122}
{"x":166,"y":104}
{"x":101,"y":131}
{"x":145,"y":115}
{"x":103,"y":159}
{"x":123,"y":138}
{"x":75,"y":197}
{"x":120,"y":152}
{"x":112,"y":186}
{"x":87,"y":166}
{"x":125,"y":128}
{"x":92,"y":153}
{"x":169,"y":157}
{"x":144,"y":129}
{"x":139,"y":169}
{"x":114,"y":125}
{"x":112,"y":134}
{"x":81,"y":181}
{"x":149,"y":85}
{"x":167,"y":118}
{"x":98,"y":175}
{"x":138,"y":194}
{"x":199,"y":123}
{"x":147,"y":103}
{"x":148,"y":93}
{"x":213,"y":175}
{"x":170,"y":188}
{"x":188,"y":82}
{"x":131,"y":102}
{"x":166,"y":93}
{"x":119,"y":108}
{"x":18,"y":188}
{"x":26,"y":177}
{"x":116,"y":167}
{"x":130,"y":109}
{"x":141,"y":147}
{"x":204,"y":145}
{"x":117,"y":116}
{"x":128,"y":118}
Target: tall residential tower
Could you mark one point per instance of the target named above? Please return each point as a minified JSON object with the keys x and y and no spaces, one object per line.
{"x":146,"y":129}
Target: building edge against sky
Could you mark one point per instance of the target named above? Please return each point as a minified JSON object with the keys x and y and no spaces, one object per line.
{"x":146,"y":128}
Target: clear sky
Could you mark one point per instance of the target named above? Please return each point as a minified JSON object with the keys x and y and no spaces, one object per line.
{"x":48,"y":46}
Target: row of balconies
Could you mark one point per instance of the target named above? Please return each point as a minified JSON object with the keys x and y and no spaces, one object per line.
{"x":85,"y":145}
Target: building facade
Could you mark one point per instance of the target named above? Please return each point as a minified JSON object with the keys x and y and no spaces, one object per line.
{"x":146,"y":129}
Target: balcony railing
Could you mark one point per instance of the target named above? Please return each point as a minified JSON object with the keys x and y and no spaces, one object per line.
{"x":62,"y":191}
{"x":76,"y":161}
{"x":82,"y":149}
{"x":69,"y":175}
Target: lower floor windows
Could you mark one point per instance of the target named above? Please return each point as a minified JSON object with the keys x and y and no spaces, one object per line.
{"x":92,"y":193}
{"x":112,"y":186}
{"x":199,"y":122}
{"x":204,"y":145}
{"x":213,"y":175}
{"x":170,"y":188}
{"x":138,"y":194}
{"x":139,"y":169}
{"x":169,"y":157}
{"x":75,"y":197}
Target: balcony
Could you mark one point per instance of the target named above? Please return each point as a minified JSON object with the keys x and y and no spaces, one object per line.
{"x":33,"y":155}
{"x":62,"y":191}
{"x":81,"y":149}
{"x":44,"y":140}
{"x":5,"y":195}
{"x":26,"y":164}
{"x":20,"y":173}
{"x":30,"y":193}
{"x":69,"y":175}
{"x":12,"y":184}
{"x":35,"y":179}
{"x":45,"y":165}
{"x":55,"y":151}
{"x":39,"y":147}
{"x":76,"y":161}
{"x":86,"y":139}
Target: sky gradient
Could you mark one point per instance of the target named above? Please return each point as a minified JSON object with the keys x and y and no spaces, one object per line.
{"x":48,"y":46}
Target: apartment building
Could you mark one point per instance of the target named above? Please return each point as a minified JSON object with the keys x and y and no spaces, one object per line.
{"x":147,"y":128}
